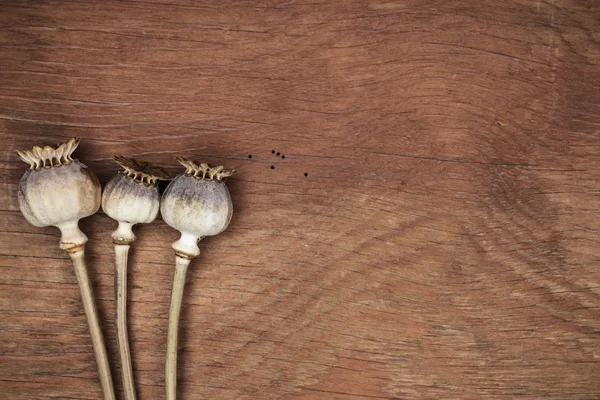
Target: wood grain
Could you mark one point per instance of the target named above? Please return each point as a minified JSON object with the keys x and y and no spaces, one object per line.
{"x":444,"y":245}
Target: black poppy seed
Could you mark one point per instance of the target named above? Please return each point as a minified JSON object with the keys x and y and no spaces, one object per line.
{"x":272,"y":167}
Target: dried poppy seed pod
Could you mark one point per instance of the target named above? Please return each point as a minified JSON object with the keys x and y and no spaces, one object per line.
{"x":58,"y":191}
{"x":197,"y":203}
{"x":132,"y":197}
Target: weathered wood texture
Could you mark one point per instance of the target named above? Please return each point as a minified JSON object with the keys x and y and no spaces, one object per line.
{"x":444,"y":245}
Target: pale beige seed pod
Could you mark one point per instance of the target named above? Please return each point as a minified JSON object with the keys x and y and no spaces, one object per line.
{"x":130,"y":198}
{"x":58,"y":190}
{"x":197,"y":203}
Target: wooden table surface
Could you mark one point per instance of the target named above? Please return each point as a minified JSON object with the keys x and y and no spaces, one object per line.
{"x":445,"y":243}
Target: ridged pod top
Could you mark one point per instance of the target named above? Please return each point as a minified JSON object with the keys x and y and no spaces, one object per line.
{"x":48,"y":156}
{"x":205,"y":171}
{"x":141,"y":172}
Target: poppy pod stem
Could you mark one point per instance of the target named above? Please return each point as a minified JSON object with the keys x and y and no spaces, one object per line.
{"x":196,"y":203}
{"x":131,"y":197}
{"x":71,"y":237}
{"x":58,"y":190}
{"x":121,"y":256}
{"x":91,"y":314}
{"x":181,"y":266}
{"x":123,"y":238}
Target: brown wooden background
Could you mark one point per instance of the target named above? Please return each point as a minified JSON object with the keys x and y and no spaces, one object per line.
{"x":444,"y":245}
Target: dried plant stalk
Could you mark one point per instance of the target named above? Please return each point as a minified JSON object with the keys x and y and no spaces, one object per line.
{"x":181,"y":266}
{"x":196,"y":203}
{"x":121,"y":255}
{"x":91,"y":314}
{"x":58,"y":190}
{"x":131,"y":197}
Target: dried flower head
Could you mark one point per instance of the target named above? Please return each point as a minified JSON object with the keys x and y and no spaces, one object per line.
{"x":132,"y":197}
{"x":197,"y":203}
{"x":58,"y":190}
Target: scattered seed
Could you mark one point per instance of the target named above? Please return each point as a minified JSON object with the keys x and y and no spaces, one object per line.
{"x":272,"y":167}
{"x":306,"y":174}
{"x":249,"y":155}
